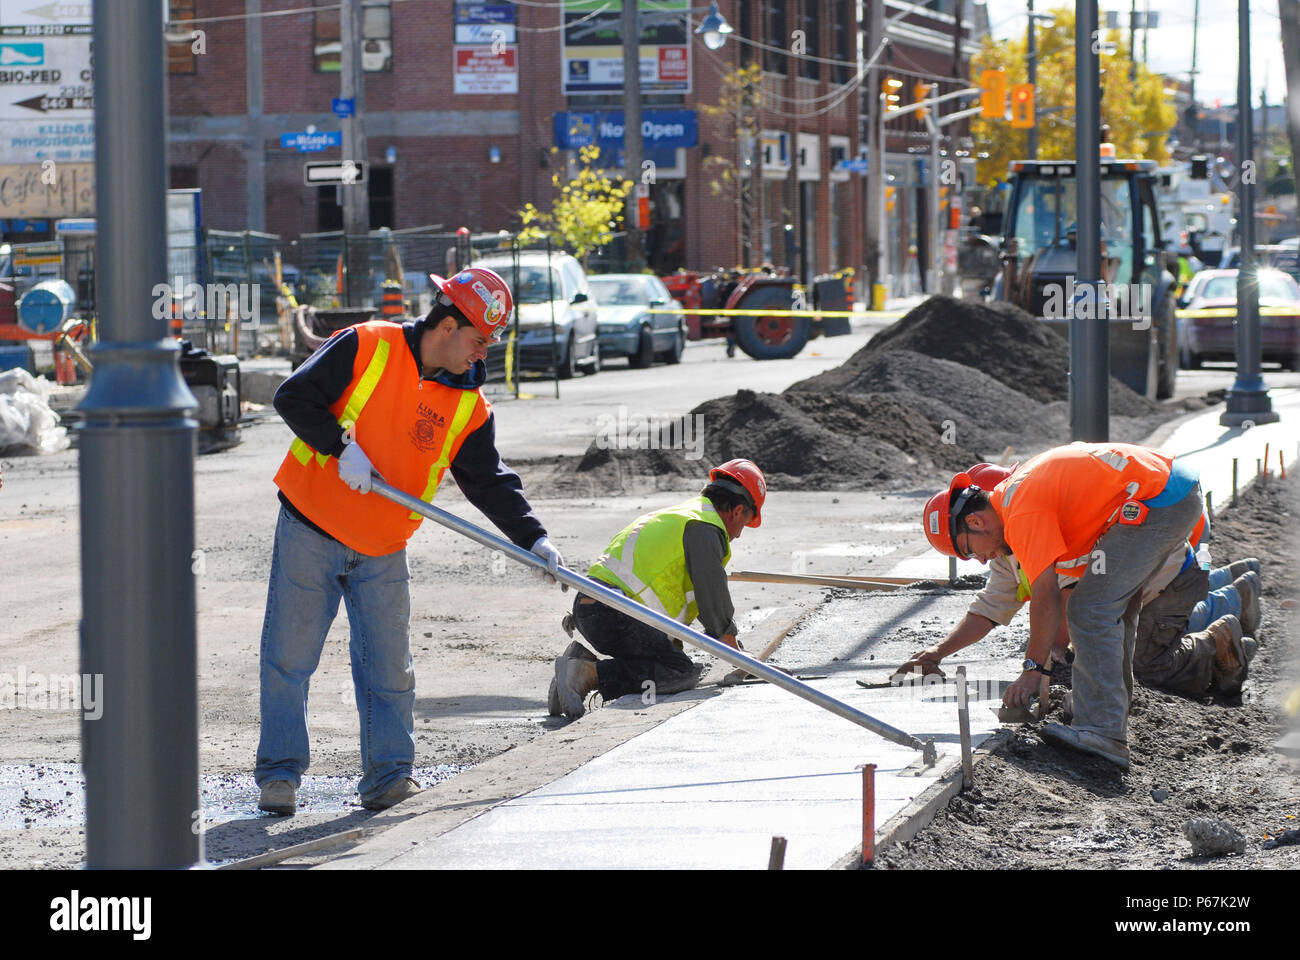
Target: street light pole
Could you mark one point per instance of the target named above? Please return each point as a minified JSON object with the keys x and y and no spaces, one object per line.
{"x":1089,"y":334}
{"x":140,"y":749}
{"x":1248,"y":400}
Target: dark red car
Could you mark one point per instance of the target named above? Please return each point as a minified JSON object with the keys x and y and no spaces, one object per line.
{"x":1215,"y":338}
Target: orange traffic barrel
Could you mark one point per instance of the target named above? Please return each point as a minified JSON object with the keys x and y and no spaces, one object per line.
{"x":391,"y":305}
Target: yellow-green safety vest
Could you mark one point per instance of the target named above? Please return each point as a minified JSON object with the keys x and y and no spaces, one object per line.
{"x":647,"y":562}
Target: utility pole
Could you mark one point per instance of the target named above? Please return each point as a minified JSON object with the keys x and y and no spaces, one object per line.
{"x":876,"y":229}
{"x":136,"y":465}
{"x":1032,"y":58}
{"x":1132,"y":42}
{"x":1248,"y":400}
{"x":1090,"y":335}
{"x":1196,"y":121}
{"x":632,"y":145}
{"x":355,"y":196}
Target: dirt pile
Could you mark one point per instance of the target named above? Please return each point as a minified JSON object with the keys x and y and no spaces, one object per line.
{"x":999,"y":340}
{"x":951,"y":383}
{"x":809,"y":441}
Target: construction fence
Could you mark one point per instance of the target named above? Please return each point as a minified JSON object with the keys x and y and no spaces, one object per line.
{"x":223,"y":295}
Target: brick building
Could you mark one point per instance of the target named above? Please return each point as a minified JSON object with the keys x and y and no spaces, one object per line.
{"x":441,"y":157}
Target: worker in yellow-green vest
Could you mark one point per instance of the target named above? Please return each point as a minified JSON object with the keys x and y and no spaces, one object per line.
{"x":674,"y":561}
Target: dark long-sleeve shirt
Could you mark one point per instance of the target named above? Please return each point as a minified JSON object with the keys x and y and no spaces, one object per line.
{"x":705,"y":546}
{"x":304,"y":399}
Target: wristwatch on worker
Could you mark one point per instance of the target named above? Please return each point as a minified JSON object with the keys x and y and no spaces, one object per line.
{"x":1032,"y":664}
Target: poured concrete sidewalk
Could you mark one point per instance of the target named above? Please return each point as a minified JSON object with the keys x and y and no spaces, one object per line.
{"x":706,"y":779}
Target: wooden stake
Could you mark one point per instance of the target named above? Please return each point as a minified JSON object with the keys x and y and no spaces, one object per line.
{"x":869,"y":813}
{"x":1234,"y":481}
{"x":776,"y":858}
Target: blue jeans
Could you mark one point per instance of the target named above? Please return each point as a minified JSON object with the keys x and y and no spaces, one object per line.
{"x":309,"y":574}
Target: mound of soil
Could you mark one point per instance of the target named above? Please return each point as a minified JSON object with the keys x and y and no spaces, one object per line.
{"x":952,"y":383}
{"x":998,"y":339}
{"x":807,"y":440}
{"x":1214,"y":758}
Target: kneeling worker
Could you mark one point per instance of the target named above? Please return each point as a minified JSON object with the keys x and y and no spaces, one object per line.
{"x":1114,"y":511}
{"x":673,"y":561}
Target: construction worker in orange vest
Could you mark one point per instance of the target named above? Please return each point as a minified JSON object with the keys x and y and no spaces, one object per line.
{"x":1110,"y":513}
{"x":1195,"y":632}
{"x":404,"y":402}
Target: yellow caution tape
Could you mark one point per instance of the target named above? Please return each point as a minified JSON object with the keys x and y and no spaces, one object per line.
{"x":1232,"y":312}
{"x":700,"y":312}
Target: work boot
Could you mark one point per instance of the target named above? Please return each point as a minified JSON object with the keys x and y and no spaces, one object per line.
{"x":575,"y":677}
{"x":406,"y":787}
{"x":1222,"y":576}
{"x":1229,"y":654}
{"x":1248,"y":589}
{"x":279,"y":797}
{"x":554,"y":705}
{"x":1116,"y":751}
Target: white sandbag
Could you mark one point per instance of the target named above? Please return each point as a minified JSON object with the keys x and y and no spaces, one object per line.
{"x":26,"y":420}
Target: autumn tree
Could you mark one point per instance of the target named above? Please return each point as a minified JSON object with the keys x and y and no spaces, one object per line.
{"x":736,"y":119}
{"x":1137,"y":112}
{"x":585,"y":214}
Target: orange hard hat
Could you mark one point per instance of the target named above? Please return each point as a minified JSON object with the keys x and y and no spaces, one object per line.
{"x":481,"y":295}
{"x":750,"y":478}
{"x":986,"y":476}
{"x":941,"y":511}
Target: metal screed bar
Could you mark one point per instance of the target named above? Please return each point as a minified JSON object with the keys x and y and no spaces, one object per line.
{"x":618,"y":601}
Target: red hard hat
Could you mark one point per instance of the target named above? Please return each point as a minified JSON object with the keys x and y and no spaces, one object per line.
{"x":747,"y":474}
{"x":481,"y":295}
{"x":940,"y":515}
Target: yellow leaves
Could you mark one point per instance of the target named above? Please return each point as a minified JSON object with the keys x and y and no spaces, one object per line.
{"x":585,"y":214}
{"x":1130,"y":109}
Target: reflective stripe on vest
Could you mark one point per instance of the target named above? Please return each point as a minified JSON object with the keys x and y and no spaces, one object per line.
{"x":355,"y":404}
{"x":464,"y":410}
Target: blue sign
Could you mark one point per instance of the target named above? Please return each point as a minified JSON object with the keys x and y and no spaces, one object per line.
{"x":22,"y":55}
{"x":311,"y":142}
{"x":662,"y":132}
{"x":856,"y":165}
{"x":485,"y":13}
{"x":343,"y":107}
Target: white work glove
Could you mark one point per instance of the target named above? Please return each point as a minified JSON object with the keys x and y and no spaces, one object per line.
{"x":355,"y":468}
{"x":544,"y":549}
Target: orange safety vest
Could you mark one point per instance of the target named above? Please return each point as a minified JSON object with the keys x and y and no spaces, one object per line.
{"x":411,"y":429}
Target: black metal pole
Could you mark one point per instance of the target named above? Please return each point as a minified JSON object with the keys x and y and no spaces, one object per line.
{"x":137,"y":481}
{"x":1089,"y":335}
{"x":1248,"y":398}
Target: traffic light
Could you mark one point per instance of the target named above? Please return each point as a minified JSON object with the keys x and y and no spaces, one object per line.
{"x":921,"y":91}
{"x":892,"y":99}
{"x":993,"y":94}
{"x":1022,"y":105}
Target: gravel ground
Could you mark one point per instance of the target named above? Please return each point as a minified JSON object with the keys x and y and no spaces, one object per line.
{"x":1036,"y":805}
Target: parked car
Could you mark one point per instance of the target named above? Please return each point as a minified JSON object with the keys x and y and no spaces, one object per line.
{"x":627,"y":328}
{"x":546,"y":287}
{"x":1214,"y":338}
